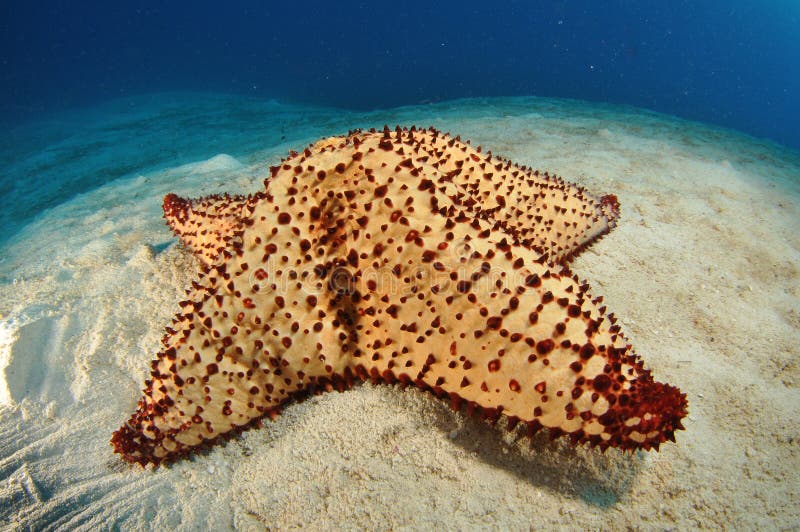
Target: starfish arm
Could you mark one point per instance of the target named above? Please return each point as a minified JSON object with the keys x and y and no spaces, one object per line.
{"x":206,"y":226}
{"x":541,"y":211}
{"x":520,"y":340}
{"x":245,"y":342}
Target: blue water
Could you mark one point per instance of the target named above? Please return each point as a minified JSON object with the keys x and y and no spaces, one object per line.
{"x":70,"y":70}
{"x":733,"y":63}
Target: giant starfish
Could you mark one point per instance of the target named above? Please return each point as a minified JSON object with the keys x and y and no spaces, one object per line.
{"x":398,"y":256}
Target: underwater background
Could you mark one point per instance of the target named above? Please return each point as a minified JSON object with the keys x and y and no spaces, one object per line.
{"x":731,"y":64}
{"x":734,"y":64}
{"x":687,"y":112}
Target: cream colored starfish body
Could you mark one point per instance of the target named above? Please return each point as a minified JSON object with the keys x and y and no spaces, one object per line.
{"x":401,"y":256}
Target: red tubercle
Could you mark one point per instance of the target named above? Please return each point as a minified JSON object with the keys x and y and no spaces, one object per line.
{"x":611,"y":201}
{"x":176,"y":207}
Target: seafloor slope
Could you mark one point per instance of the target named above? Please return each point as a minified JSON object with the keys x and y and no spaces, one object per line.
{"x":702,"y":271}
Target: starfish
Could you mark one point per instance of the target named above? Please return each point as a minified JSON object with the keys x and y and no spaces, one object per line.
{"x":401,"y":256}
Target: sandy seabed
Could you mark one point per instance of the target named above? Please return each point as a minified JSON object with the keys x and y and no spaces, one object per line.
{"x":702,"y":272}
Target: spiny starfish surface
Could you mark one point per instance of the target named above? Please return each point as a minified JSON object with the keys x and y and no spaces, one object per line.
{"x":403,"y":256}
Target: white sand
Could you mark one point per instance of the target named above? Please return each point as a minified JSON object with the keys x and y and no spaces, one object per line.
{"x":702,"y":272}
